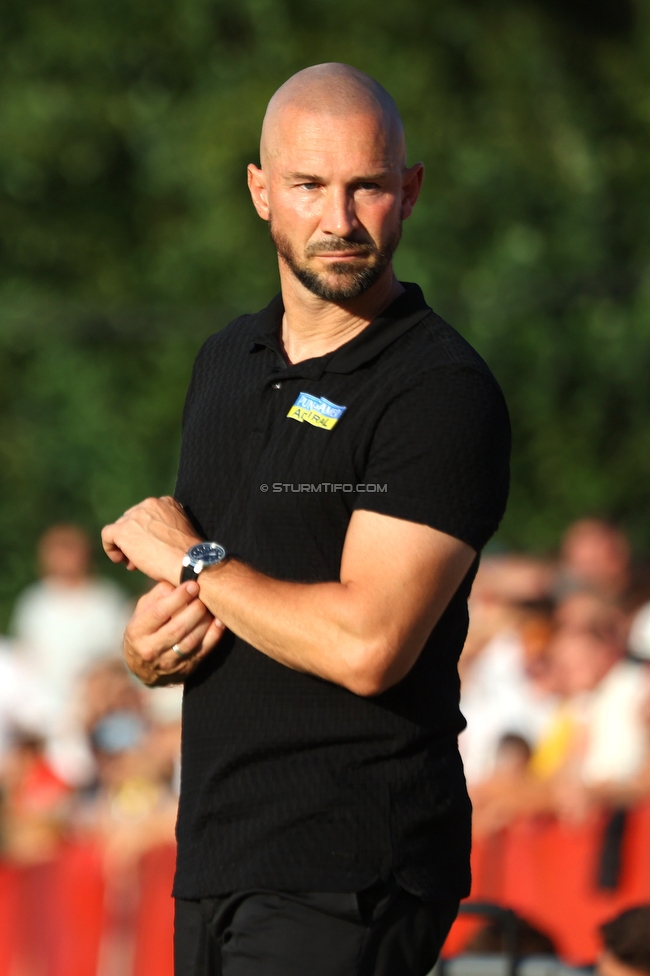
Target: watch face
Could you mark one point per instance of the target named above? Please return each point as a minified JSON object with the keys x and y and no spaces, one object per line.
{"x":207,"y":552}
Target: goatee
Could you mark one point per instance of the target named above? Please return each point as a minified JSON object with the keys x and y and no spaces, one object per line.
{"x":352,"y":282}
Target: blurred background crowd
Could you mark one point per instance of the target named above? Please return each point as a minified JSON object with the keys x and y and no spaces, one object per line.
{"x":83,"y":745}
{"x":556,"y":680}
{"x":126,"y":238}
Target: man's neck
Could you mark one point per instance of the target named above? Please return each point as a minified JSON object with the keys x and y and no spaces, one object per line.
{"x":312,"y":326}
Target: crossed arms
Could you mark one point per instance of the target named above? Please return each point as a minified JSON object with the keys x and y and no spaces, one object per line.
{"x":364,"y":632}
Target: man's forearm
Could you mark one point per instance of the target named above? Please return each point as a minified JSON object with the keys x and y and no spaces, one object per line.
{"x":319,"y":628}
{"x":364,"y":632}
{"x":340,"y":631}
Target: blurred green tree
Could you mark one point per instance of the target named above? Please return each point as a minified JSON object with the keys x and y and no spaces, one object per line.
{"x":125,"y":129}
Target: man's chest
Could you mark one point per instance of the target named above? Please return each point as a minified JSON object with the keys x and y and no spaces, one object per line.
{"x":272,"y":463}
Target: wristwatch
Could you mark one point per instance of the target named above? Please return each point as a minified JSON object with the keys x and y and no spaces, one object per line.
{"x":199,"y":556}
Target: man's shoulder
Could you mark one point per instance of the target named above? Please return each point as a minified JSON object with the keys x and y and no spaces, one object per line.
{"x":433,"y":352}
{"x":437,"y":344}
{"x":242,"y":330}
{"x":435,"y":372}
{"x":239,"y":333}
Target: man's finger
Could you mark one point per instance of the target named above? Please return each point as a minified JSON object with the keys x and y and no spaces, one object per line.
{"x":111,"y":548}
{"x":195,"y":645}
{"x":152,"y":615}
{"x":191,"y":642}
{"x":156,"y":593}
{"x":214,"y":634}
{"x":182,"y":624}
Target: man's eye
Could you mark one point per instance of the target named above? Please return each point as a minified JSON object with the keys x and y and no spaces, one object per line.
{"x":309,"y":186}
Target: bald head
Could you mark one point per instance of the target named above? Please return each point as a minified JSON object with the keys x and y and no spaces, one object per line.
{"x":338,"y":91}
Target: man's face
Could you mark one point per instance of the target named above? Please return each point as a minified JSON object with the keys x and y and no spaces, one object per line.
{"x":334,"y":197}
{"x":64,"y":554}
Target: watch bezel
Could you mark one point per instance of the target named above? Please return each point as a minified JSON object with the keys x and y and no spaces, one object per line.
{"x":199,"y":557}
{"x":203,"y":554}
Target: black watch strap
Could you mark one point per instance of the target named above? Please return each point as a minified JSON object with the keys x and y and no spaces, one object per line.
{"x":187,"y":573}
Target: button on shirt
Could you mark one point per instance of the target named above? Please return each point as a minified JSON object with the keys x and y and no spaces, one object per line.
{"x":289,"y":781}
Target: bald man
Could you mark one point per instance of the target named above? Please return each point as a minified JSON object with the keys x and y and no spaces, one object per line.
{"x":344,"y":459}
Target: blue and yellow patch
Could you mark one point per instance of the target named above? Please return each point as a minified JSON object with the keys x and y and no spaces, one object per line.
{"x":316,"y":411}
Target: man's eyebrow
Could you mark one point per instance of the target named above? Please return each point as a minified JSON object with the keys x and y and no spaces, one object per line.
{"x":372,"y":177}
{"x":313,"y":178}
{"x":303,"y":178}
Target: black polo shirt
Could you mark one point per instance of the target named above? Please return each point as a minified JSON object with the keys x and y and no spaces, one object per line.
{"x":290,"y":782}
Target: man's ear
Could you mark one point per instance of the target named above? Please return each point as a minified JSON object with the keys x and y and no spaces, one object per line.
{"x":411,"y":186}
{"x":257,"y":187}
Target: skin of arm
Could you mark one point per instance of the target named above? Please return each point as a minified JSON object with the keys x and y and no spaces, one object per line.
{"x":364,"y":633}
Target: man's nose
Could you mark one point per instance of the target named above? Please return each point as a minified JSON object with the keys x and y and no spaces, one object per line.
{"x":338,"y":216}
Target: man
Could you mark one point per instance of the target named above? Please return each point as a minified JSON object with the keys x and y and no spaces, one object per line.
{"x":595,"y":555}
{"x":349,"y":452}
{"x":64,"y":623}
{"x":68,"y":619}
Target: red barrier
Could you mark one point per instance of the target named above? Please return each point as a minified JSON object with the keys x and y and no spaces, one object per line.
{"x":154,"y":954}
{"x":546,"y":871}
{"x":9,"y":915}
{"x":487,"y":855}
{"x":53,"y":917}
{"x":561,"y":897}
{"x":80,"y":909}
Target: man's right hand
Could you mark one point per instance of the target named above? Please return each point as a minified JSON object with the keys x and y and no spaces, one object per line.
{"x":166,"y":616}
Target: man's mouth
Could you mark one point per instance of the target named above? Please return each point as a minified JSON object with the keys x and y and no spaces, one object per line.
{"x":342,"y":255}
{"x":340,"y":250}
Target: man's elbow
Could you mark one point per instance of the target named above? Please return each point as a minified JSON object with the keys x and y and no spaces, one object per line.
{"x":374,"y":667}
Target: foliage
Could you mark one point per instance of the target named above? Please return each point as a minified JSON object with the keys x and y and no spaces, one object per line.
{"x":124,"y":133}
{"x":90,"y":410}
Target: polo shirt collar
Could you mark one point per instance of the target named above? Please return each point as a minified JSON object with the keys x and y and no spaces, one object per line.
{"x":407,"y":310}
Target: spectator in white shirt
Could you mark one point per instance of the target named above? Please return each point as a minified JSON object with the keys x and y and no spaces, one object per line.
{"x":63,"y":624}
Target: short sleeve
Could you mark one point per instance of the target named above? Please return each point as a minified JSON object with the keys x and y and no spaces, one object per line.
{"x":440,"y":455}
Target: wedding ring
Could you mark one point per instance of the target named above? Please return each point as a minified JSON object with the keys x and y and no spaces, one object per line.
{"x":176,"y":649}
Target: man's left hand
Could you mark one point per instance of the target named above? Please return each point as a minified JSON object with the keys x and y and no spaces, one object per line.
{"x":152,"y":537}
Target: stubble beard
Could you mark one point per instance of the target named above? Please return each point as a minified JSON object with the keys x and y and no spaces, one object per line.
{"x":352,"y":282}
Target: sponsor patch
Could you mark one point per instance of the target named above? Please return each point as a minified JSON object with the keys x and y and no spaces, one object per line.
{"x":316,"y":411}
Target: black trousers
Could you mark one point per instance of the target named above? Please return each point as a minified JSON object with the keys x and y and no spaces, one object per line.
{"x":382,"y":931}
